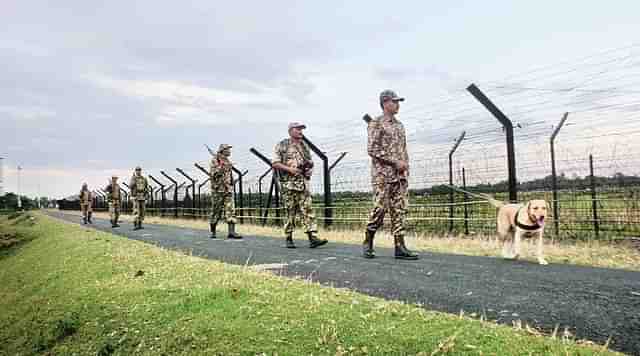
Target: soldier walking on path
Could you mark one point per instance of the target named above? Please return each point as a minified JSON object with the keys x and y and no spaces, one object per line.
{"x":113,"y":196}
{"x":387,"y":147}
{"x":222,"y":204}
{"x":292,"y":160}
{"x":139,"y":190}
{"x":86,"y":202}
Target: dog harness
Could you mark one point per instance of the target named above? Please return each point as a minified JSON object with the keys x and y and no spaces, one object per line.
{"x":525,"y":227}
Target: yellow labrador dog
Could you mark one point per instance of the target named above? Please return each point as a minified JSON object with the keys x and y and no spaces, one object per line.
{"x":516,"y":221}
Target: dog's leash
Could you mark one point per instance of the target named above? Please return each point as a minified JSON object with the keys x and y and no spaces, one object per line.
{"x":483,"y":196}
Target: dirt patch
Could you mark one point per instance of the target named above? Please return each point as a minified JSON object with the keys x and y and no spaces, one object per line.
{"x":8,"y":240}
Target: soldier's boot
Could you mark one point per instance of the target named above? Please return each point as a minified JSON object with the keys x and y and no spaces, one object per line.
{"x":367,"y":245}
{"x":402,"y":252}
{"x":289,"y":241}
{"x":136,"y":225}
{"x":89,"y":218}
{"x":212,"y":227}
{"x":232,"y":232}
{"x":84,"y":220}
{"x":314,"y":241}
{"x":140,"y":227}
{"x":112,"y":223}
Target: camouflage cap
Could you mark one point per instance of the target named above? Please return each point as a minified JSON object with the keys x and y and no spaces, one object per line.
{"x":389,"y":95}
{"x":223,"y":147}
{"x":296,"y":125}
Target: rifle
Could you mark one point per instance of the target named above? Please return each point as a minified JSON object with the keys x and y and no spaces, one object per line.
{"x":211,"y":152}
{"x":367,"y":118}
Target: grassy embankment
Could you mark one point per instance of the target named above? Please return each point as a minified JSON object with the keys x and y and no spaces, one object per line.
{"x":71,"y":290}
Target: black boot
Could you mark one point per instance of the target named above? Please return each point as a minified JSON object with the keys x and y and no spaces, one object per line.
{"x":112,"y":223}
{"x":140,"y":225}
{"x":402,"y":252}
{"x":89,"y":218}
{"x":136,"y":225}
{"x":289,"y":242}
{"x":314,"y":241}
{"x":232,"y":232}
{"x":84,"y":220}
{"x":367,"y":245}
{"x":212,"y":227}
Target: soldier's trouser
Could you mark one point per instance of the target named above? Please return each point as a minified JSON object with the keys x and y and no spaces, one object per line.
{"x":138,"y":210}
{"x":391,"y":197}
{"x":222,"y":204}
{"x":298,"y":203}
{"x":114,"y":211}
{"x":86,"y":209}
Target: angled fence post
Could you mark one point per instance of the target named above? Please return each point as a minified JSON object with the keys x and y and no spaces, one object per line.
{"x":193,"y":188}
{"x":162,"y":196}
{"x":206,"y":173}
{"x":328,"y":209}
{"x":126,"y":196}
{"x":554,"y":178}
{"x":240,"y":191}
{"x":175,"y":193}
{"x":260,"y":190}
{"x":273,"y":189}
{"x":508,"y":127}
{"x":451,"y":192}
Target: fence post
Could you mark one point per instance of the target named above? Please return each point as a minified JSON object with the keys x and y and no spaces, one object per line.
{"x":554,"y":178}
{"x":508,"y":127}
{"x":162,"y":197}
{"x":240,"y":191}
{"x":175,"y":193}
{"x":193,"y":190}
{"x":126,"y":197}
{"x":274,"y":185}
{"x":451,"y":192}
{"x":466,"y":199}
{"x":260,"y":190}
{"x":594,"y":203}
{"x":328,"y":211}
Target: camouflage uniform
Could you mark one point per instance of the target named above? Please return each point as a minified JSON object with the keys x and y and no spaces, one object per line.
{"x":222,"y":204}
{"x":295,"y":189}
{"x":113,"y":197}
{"x":387,"y":147}
{"x":221,"y":178}
{"x":139,"y":191}
{"x":86,"y":200}
{"x":387,"y":143}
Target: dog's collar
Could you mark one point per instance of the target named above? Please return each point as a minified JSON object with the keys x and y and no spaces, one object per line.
{"x":523,"y":226}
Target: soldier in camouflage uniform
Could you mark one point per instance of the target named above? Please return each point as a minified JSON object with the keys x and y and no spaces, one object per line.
{"x":86,"y":201}
{"x":113,"y":197}
{"x":222,"y":204}
{"x":292,"y":161}
{"x":387,"y":147}
{"x":139,"y":191}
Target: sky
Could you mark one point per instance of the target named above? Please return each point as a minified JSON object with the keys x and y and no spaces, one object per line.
{"x":90,"y":89}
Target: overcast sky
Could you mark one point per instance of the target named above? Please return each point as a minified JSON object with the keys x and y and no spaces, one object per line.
{"x":89,"y":89}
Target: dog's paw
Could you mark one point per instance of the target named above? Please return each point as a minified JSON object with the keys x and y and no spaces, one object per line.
{"x":542,"y":261}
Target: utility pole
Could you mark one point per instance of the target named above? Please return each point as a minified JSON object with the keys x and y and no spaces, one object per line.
{"x":19,"y":199}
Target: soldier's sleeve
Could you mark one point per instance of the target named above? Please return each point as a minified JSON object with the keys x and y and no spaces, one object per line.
{"x":277,"y":153}
{"x":375,"y":149}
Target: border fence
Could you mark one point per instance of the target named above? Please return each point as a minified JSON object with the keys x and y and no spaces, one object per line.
{"x":568,"y":133}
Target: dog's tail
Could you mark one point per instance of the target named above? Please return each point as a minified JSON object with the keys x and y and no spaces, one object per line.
{"x":487,"y":197}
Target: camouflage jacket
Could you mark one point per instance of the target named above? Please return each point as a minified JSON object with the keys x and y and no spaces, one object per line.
{"x":113,"y":194}
{"x":292,"y":155}
{"x":220,"y":175}
{"x":139,"y":187}
{"x":85,"y":197}
{"x":387,"y":144}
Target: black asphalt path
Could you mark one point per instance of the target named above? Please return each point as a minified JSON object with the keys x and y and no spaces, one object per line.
{"x":594,"y":303}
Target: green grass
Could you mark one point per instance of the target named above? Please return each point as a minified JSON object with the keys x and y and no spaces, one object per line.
{"x":70,"y":290}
